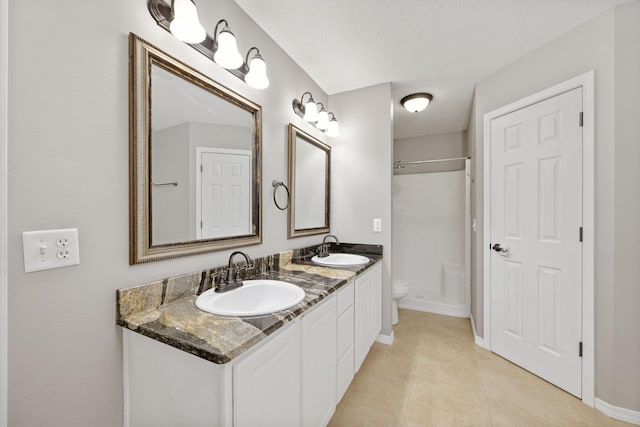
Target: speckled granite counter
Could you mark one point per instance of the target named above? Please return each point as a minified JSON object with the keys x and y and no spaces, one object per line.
{"x":165,"y":310}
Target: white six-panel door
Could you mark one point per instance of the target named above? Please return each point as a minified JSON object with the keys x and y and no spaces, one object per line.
{"x":223,"y":206}
{"x":536,"y":215}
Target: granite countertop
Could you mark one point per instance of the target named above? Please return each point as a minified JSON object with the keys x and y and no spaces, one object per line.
{"x":165,"y":310}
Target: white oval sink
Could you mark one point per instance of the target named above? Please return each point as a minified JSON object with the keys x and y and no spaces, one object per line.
{"x":340,"y":260}
{"x":254,"y":298}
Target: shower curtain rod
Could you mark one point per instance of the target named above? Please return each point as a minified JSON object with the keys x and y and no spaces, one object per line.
{"x":418,"y":162}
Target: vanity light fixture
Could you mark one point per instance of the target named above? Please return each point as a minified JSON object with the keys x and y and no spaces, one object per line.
{"x":309,"y":112}
{"x":334,"y":127}
{"x":256,"y":76}
{"x":185,"y":25}
{"x":225,"y":47}
{"x":416,"y":102}
{"x":323,"y":118}
{"x":180,"y":18}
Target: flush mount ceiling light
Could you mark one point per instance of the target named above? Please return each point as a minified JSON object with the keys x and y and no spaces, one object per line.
{"x":309,"y":112}
{"x":416,"y":102}
{"x":180,"y":18}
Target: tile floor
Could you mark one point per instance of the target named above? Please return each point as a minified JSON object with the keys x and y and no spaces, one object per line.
{"x":434,"y":375}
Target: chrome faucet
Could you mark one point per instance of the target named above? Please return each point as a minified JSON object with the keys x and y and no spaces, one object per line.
{"x":323,"y":250}
{"x":231,"y":280}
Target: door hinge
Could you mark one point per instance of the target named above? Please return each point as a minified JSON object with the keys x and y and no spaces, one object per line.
{"x":581,"y":119}
{"x":580,"y":349}
{"x":581,"y":234}
{"x":201,"y":169}
{"x":200,"y":224}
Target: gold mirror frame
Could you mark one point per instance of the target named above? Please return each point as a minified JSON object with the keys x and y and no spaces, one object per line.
{"x":142,"y":56}
{"x":296,"y":134}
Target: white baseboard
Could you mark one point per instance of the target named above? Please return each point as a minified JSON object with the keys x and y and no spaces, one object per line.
{"x":618,"y":413}
{"x":385,"y":339}
{"x":434,"y":307}
{"x":478,"y":340}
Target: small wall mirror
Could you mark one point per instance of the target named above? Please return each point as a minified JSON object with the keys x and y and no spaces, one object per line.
{"x":309,"y":184}
{"x":195,"y":160}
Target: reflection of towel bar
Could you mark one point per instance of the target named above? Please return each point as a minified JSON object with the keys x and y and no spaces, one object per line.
{"x":165,"y":184}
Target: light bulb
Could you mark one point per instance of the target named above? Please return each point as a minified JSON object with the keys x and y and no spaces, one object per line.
{"x":185,"y":25}
{"x":311,"y":111}
{"x":334,"y":128}
{"x":257,"y":75}
{"x":323,"y":120}
{"x":227,"y":55}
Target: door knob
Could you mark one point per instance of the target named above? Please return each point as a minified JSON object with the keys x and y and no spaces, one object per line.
{"x":499,"y":248}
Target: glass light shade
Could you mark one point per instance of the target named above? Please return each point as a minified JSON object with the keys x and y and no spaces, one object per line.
{"x":334,"y":129}
{"x":311,"y":111}
{"x":227,"y":55}
{"x":323,"y":120}
{"x":257,"y":75}
{"x":416,"y":102}
{"x":185,"y":25}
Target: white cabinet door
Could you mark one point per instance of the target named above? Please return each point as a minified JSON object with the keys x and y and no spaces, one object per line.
{"x":166,"y":387}
{"x":375,"y":309}
{"x":346,"y":335}
{"x":267,"y":383}
{"x":362,"y":334}
{"x":319,"y":364}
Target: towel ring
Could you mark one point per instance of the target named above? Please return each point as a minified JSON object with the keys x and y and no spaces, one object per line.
{"x":277,"y":184}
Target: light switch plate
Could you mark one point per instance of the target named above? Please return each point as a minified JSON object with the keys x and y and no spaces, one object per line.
{"x":47,"y":249}
{"x":377,"y":225}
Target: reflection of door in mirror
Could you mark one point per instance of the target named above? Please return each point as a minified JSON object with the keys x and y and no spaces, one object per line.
{"x":223,"y":186}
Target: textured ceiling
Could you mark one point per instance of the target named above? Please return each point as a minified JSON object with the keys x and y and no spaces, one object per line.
{"x":437,"y":46}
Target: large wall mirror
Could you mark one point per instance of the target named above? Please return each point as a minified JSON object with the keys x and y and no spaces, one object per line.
{"x":309,"y":183}
{"x":195,"y":160}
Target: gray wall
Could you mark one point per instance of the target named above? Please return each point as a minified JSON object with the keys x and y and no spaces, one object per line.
{"x":429,"y":147}
{"x":626,"y":306}
{"x":361,"y":172}
{"x":170,"y":205}
{"x":68,"y":150}
{"x":604,"y":45}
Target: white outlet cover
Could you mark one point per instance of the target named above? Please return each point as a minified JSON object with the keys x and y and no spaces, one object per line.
{"x":377,"y":225}
{"x":47,"y":249}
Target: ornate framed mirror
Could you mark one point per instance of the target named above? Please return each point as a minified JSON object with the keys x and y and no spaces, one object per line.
{"x":194,"y":163}
{"x":309,"y":184}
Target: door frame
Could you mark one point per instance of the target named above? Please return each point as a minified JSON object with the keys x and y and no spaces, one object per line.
{"x":4,"y":110}
{"x":586,"y":82}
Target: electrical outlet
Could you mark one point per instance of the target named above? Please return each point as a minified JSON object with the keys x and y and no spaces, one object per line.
{"x":377,"y":225}
{"x":47,"y":249}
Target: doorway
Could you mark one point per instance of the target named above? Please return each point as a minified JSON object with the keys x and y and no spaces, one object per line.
{"x":538,"y":234}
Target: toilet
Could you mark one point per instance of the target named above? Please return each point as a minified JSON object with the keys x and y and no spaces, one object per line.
{"x":399,"y":289}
